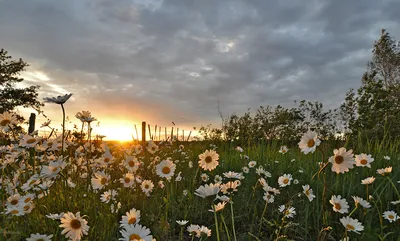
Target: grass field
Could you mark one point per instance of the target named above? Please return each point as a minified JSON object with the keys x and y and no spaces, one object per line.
{"x":258,"y":202}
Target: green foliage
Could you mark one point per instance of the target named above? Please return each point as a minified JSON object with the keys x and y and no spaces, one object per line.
{"x":11,"y":96}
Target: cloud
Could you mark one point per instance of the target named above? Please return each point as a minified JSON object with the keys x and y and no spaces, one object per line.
{"x":176,"y":60}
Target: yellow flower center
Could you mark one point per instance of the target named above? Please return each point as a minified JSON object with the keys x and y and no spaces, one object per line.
{"x":40,"y":239}
{"x":285,"y":181}
{"x":364,"y":162}
{"x":32,"y":182}
{"x":28,"y":200}
{"x":127,"y":180}
{"x":14,"y":212}
{"x":208,"y":159}
{"x":75,"y":224}
{"x":307,"y":192}
{"x":14,"y":202}
{"x":311,"y":143}
{"x":339,"y":159}
{"x":166,"y":170}
{"x":132,"y":220}
{"x":5,"y":122}
{"x":30,"y":141}
{"x":338,"y":206}
{"x":54,"y":169}
{"x":106,"y":159}
{"x":131,"y":163}
{"x":26,"y":208}
{"x":390,"y":216}
{"x":146,"y":186}
{"x":134,"y":237}
{"x":350,"y":227}
{"x":103,"y":181}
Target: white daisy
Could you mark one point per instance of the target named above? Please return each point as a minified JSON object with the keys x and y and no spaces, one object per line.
{"x":74,"y":226}
{"x":209,"y":160}
{"x":384,"y":171}
{"x":362,"y":202}
{"x":364,"y":160}
{"x":391,"y":216}
{"x":131,"y":218}
{"x":368,"y":180}
{"x":288,"y":212}
{"x":352,"y":224}
{"x":100,"y":180}
{"x":342,"y":160}
{"x":166,"y":169}
{"x":283,"y":149}
{"x":252,"y":164}
{"x":39,"y":237}
{"x":285,"y":180}
{"x":308,"y":192}
{"x":309,"y":142}
{"x":339,"y":205}
{"x":128,"y":180}
{"x":233,"y":175}
{"x":136,"y":232}
{"x":147,"y":186}
{"x":207,"y":190}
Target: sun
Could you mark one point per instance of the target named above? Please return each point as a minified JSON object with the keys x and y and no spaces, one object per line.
{"x":117,"y":131}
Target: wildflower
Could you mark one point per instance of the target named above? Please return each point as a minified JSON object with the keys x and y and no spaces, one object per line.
{"x":39,"y":237}
{"x":203,"y":232}
{"x":128,"y":179}
{"x":55,"y":216}
{"x":288,"y":212}
{"x":342,"y":160}
{"x":108,"y":195}
{"x":131,"y":218}
{"x":361,"y":201}
{"x":131,"y":163}
{"x":339,"y":205}
{"x":384,"y":171}
{"x":147,"y":187}
{"x":7,"y":120}
{"x":209,"y":160}
{"x":190,"y":164}
{"x":387,"y":158}
{"x":207,"y":190}
{"x":161,"y":184}
{"x":100,"y":180}
{"x":395,"y":202}
{"x":165,"y":169}
{"x":364,"y":160}
{"x":234,"y":175}
{"x":284,"y":180}
{"x":74,"y":226}
{"x":309,"y":142}
{"x":185,"y":192}
{"x":239,"y":149}
{"x":308,"y":192}
{"x":253,"y":164}
{"x":295,"y":181}
{"x":85,"y":116}
{"x":268,"y":197}
{"x":204,"y":177}
{"x":352,"y":224}
{"x":136,"y":232}
{"x":192,"y":229}
{"x":218,"y":207}
{"x":58,"y":100}
{"x":283,"y":149}
{"x":217,"y":179}
{"x":391,"y":216}
{"x":152,"y":147}
{"x":229,"y":187}
{"x":178,"y":177}
{"x":182,"y":222}
{"x":245,"y":169}
{"x":368,"y":180}
{"x":29,"y":141}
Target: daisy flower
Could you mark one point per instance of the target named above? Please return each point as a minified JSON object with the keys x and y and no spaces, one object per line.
{"x":192,"y":229}
{"x":161,"y":184}
{"x":391,"y":216}
{"x":288,"y":212}
{"x":39,"y":237}
{"x":245,"y":169}
{"x":55,"y":216}
{"x":131,"y":163}
{"x":233,"y":175}
{"x":147,"y":186}
{"x":74,"y":226}
{"x":7,"y":120}
{"x":209,"y":160}
{"x":352,"y":224}
{"x":108,"y":195}
{"x":29,"y":141}
{"x":283,"y":149}
{"x":182,"y":222}
{"x":85,"y":116}
{"x":207,"y":190}
{"x":166,"y":169}
{"x":368,"y":180}
{"x":100,"y":180}
{"x":386,"y":158}
{"x":361,"y":201}
{"x":364,"y":160}
{"x":339,"y":205}
{"x":285,"y":180}
{"x":309,"y":142}
{"x":384,"y":171}
{"x":152,"y":147}
{"x":239,"y":149}
{"x":252,"y":164}
{"x":342,"y":160}
{"x":217,"y":179}
{"x":131,"y":218}
{"x":268,"y":197}
{"x":58,"y":100}
{"x":204,"y":177}
{"x":229,"y":187}
{"x":136,"y":232}
{"x":218,"y":207}
{"x":128,"y":180}
{"x":308,"y":192}
{"x":203,"y":232}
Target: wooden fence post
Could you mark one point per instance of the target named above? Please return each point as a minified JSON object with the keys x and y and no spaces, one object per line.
{"x":144,"y":131}
{"x":32,"y":119}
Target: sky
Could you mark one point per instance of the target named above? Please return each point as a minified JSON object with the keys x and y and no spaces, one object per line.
{"x":158,"y":61}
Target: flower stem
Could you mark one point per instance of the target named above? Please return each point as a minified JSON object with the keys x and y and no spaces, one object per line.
{"x":262,"y":216}
{"x":63,"y":130}
{"x":216,"y":222}
{"x":233,"y":221}
{"x":394,"y":186}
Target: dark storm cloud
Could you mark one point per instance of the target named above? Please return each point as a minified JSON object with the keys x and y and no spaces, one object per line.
{"x":175,"y":60}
